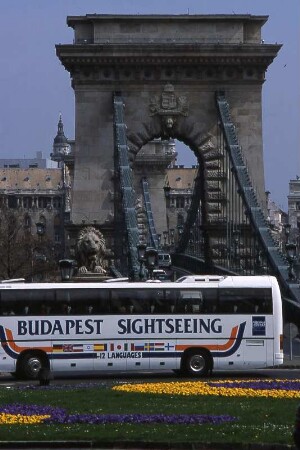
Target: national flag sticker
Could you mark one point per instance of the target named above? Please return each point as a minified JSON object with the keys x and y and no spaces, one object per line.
{"x":100,"y":347}
{"x":258,"y":325}
{"x":88,"y":347}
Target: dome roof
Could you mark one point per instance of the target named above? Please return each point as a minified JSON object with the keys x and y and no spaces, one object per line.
{"x":60,"y":138}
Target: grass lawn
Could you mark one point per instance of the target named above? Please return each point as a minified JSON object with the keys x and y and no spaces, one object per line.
{"x":264,"y":420}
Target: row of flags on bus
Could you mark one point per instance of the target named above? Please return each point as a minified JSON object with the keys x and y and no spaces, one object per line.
{"x":112,"y":347}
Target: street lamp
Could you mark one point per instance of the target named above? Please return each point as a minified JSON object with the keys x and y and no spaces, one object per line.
{"x":172,"y":235}
{"x":66,"y":269}
{"x":40,"y":228}
{"x":141,"y":249}
{"x":165,"y":235}
{"x":291,"y":257}
{"x":287,"y":230}
{"x":151,"y":257}
{"x":159,"y":240}
{"x":236,"y":243}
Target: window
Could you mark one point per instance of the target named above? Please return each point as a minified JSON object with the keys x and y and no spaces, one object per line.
{"x":27,"y":202}
{"x":131,"y":301}
{"x":245,"y":300}
{"x":58,"y":231}
{"x":27,"y":221}
{"x":196,"y":301}
{"x":180,"y":202}
{"x":43,"y":202}
{"x":82,"y":301}
{"x":56,"y":202}
{"x":27,"y":302}
{"x":12,"y":201}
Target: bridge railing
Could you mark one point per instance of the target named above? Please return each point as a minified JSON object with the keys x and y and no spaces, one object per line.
{"x":274,"y":256}
{"x":153,"y":238}
{"x":126,"y":186}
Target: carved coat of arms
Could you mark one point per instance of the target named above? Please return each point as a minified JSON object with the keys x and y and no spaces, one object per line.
{"x":168,"y":105}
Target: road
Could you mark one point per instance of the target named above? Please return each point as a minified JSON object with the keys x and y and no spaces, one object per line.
{"x":153,"y":376}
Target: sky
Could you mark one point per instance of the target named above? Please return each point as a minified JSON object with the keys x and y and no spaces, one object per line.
{"x":35,"y":88}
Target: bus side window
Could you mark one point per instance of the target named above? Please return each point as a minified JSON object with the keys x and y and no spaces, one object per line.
{"x":89,"y":309}
{"x":102,"y":304}
{"x":226,"y":302}
{"x":116,"y":302}
{"x":190,"y":302}
{"x":210,"y":301}
{"x":146,"y":302}
{"x":263,"y":301}
{"x":171,"y":301}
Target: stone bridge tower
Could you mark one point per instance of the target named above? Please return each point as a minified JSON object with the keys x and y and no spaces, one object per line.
{"x":168,"y":69}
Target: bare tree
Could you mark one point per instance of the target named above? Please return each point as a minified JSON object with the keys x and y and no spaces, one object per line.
{"x":23,"y":255}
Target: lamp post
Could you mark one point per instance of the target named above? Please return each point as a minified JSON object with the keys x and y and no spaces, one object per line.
{"x":148,"y":258}
{"x":40,"y":229}
{"x":172,"y":236}
{"x":37,"y":253}
{"x":159,"y":240}
{"x":236,"y":244}
{"x":291,"y":257}
{"x":151,"y":257}
{"x":287,"y":230}
{"x":165,"y":235}
{"x":141,"y":248}
{"x":67,"y":267}
{"x":291,"y":253}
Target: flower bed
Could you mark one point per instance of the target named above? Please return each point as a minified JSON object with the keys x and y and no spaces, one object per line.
{"x":35,"y":414}
{"x":226,"y":388}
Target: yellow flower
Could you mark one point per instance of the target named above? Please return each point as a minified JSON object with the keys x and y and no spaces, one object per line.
{"x":203,"y":388}
{"x":19,"y":419}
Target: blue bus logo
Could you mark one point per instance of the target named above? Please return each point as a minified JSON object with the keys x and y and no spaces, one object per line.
{"x":259,"y":326}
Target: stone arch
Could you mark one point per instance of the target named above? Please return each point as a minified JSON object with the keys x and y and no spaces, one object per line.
{"x":155,"y":62}
{"x":199,"y":136}
{"x":202,"y":141}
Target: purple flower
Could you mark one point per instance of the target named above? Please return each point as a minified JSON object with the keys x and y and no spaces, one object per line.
{"x":59,"y":415}
{"x":175,"y":419}
{"x":286,"y":385}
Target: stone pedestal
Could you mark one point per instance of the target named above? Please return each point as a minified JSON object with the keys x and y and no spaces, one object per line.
{"x":90,"y":278}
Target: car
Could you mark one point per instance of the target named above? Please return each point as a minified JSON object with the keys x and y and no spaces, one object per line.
{"x":164,"y":260}
{"x":160,"y":274}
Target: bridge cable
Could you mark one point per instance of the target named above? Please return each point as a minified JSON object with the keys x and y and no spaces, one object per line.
{"x":274,"y":256}
{"x":153,"y":238}
{"x":126,"y":186}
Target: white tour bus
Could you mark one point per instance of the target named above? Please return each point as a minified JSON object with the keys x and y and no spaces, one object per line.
{"x":191,"y":326}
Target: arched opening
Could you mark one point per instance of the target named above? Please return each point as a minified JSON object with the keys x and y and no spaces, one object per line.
{"x":185,"y":156}
{"x":171,"y":191}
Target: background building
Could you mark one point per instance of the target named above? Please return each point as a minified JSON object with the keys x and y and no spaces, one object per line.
{"x":38,"y":196}
{"x":29,"y":163}
{"x":294,"y":211}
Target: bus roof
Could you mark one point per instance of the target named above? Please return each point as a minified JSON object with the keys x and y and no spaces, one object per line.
{"x":187,"y":281}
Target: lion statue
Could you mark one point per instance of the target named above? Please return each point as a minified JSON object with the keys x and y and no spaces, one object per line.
{"x":90,"y":250}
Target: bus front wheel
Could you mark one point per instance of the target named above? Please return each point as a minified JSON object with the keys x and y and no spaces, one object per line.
{"x":30,"y":365}
{"x":197,"y":363}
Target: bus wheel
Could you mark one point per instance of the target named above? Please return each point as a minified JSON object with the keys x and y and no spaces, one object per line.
{"x":30,"y":365}
{"x":197,"y":363}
